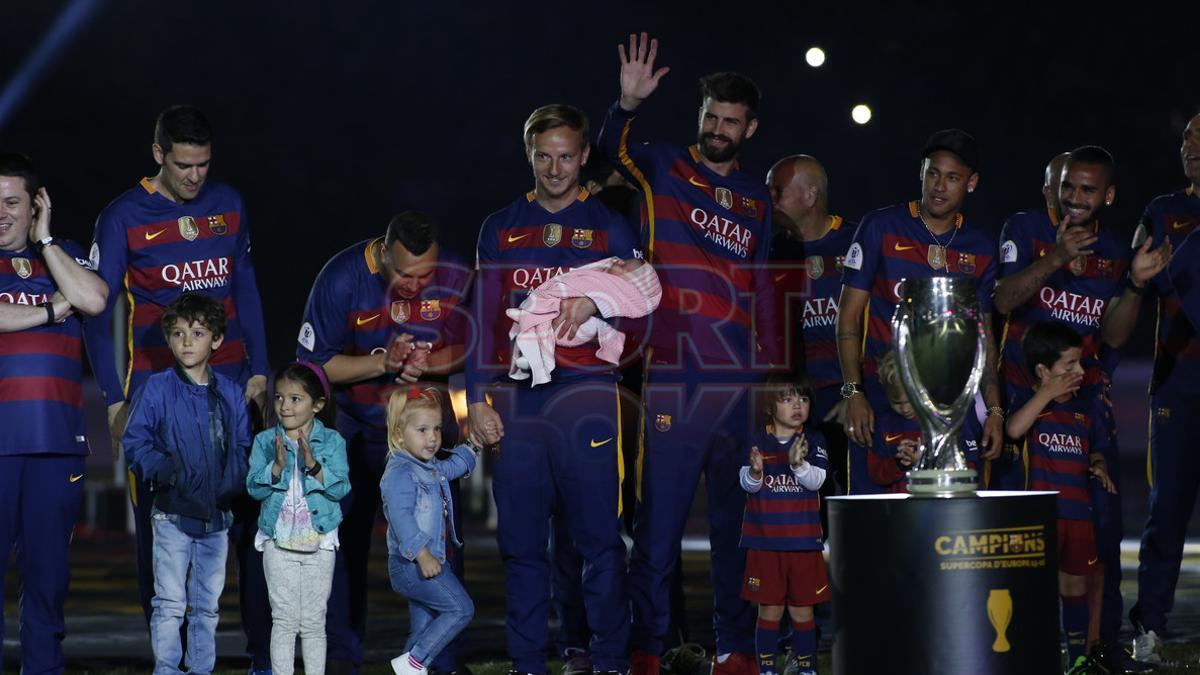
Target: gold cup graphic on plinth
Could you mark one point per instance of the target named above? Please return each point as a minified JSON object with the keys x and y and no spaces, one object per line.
{"x":1000,"y":609}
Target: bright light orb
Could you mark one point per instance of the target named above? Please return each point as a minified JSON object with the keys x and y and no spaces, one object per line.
{"x":815,"y":57}
{"x":861,"y":113}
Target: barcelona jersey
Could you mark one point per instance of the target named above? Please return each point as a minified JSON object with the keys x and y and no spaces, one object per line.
{"x":156,"y":250}
{"x":1177,"y":344}
{"x":784,"y":515}
{"x":1057,"y":448}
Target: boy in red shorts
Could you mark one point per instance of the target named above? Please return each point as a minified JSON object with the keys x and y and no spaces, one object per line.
{"x":782,"y":525}
{"x":1063,"y":440}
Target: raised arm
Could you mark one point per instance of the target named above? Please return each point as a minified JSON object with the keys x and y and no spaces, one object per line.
{"x":80,"y":286}
{"x":1015,"y":289}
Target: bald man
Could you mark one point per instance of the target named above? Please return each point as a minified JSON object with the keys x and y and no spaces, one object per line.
{"x":809,"y":248}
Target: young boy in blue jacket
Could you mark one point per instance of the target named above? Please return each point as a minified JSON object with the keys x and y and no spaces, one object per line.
{"x":188,"y":437}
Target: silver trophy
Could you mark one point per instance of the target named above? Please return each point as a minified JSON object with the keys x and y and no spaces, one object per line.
{"x":939,"y":339}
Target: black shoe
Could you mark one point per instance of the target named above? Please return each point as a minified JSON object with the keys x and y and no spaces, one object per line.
{"x":1114,"y":660}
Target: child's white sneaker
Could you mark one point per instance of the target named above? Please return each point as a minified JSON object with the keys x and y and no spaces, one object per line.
{"x":405,"y":664}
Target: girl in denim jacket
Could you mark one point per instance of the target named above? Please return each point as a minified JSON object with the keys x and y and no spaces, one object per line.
{"x":299,"y":471}
{"x":416,"y":500}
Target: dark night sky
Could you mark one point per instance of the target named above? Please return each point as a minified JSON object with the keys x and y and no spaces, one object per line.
{"x":330,"y":117}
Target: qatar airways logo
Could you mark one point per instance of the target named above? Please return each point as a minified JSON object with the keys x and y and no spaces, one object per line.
{"x":532,"y":277}
{"x":198,"y":275}
{"x":21,"y":298}
{"x":820,"y":312}
{"x":1065,"y":306}
{"x":723,"y":231}
{"x":781,"y":483}
{"x":1065,"y":444}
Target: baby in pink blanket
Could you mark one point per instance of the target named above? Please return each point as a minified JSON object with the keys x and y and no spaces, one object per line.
{"x":627,"y":288}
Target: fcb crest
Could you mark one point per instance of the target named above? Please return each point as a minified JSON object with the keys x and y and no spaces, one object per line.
{"x":399,"y":311}
{"x":815,"y":265}
{"x":22,"y":267}
{"x":216,"y":224}
{"x":753,"y":583}
{"x":748,"y":206}
{"x":839,"y":262}
{"x":551,"y":234}
{"x":724,"y":197}
{"x":581,"y":238}
{"x":1104,"y":266}
{"x":1078,"y":265}
{"x":431,"y":309}
{"x":662,"y":422}
{"x":1080,"y":419}
{"x":966,"y":262}
{"x":188,"y":229}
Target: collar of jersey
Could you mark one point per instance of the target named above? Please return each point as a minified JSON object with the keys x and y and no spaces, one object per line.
{"x":914,"y":210}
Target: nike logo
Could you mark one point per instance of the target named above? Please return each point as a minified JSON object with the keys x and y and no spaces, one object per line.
{"x":822,"y":589}
{"x":888,"y":438}
{"x":693,"y":181}
{"x":596,"y":444}
{"x":1093,"y":561}
{"x":75,"y":477}
{"x":152,"y":236}
{"x":366,"y":320}
{"x":1179,"y":226}
{"x":519,"y":237}
{"x":903,"y":248}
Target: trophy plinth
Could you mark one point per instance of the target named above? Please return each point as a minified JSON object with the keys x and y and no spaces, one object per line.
{"x":940,"y":343}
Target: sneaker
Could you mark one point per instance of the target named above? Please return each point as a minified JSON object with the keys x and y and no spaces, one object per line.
{"x":1148,"y":648}
{"x":735,"y":663}
{"x":1116,"y":661}
{"x":686,"y":659}
{"x":1085,"y":666}
{"x":643,"y":663}
{"x":791,"y":666}
{"x":405,"y":664}
{"x":576,"y":662}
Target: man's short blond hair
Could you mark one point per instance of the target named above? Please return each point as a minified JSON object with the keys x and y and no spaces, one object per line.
{"x":553,"y":116}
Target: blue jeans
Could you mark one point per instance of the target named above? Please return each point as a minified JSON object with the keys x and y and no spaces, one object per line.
{"x":438,"y":608}
{"x":176,"y":593}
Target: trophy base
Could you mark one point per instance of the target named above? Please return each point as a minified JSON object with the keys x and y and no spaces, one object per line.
{"x":942,"y":483}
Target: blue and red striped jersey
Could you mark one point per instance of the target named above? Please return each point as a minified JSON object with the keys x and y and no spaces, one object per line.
{"x":708,"y":237}
{"x":41,"y":368}
{"x":521,"y":247}
{"x":1076,"y":294}
{"x":1177,"y":342}
{"x":891,"y":429}
{"x":783,"y":515}
{"x":156,"y":250}
{"x":808,"y":284}
{"x":893,"y":243}
{"x":350,"y":311}
{"x":1057,"y":448}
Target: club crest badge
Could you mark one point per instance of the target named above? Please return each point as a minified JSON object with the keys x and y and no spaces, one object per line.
{"x":815,"y":265}
{"x":1078,"y":265}
{"x":1105,"y":267}
{"x":724,"y":197}
{"x":749,"y":207}
{"x":22,"y":267}
{"x":217,"y":225}
{"x":839,"y":262}
{"x":662,"y":422}
{"x":754,"y":583}
{"x":936,"y":257}
{"x":581,"y":238}
{"x":551,"y":234}
{"x":188,"y":229}
{"x":966,"y":262}
{"x":431,"y":309}
{"x":399,"y":311}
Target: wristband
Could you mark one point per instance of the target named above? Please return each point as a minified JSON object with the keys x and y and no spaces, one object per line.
{"x":49,"y":311}
{"x":1134,"y":289}
{"x":41,"y":244}
{"x":313,"y":470}
{"x":995,"y":410}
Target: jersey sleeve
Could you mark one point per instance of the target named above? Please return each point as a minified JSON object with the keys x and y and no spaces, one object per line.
{"x":633,"y":160}
{"x":323,"y":331}
{"x":247,"y":301}
{"x":1154,"y":226}
{"x":1016,"y":248}
{"x":862,"y":258}
{"x":987,"y":285}
{"x":109,"y":257}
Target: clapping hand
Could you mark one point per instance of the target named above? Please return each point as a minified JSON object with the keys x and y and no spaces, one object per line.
{"x":798,"y":452}
{"x":280,"y":456}
{"x":756,"y":463}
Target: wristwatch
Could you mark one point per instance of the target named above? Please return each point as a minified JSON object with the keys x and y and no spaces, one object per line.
{"x":850,"y":389}
{"x":41,"y":244}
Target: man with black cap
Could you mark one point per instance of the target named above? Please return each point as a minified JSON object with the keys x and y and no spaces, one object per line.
{"x":917,"y":239}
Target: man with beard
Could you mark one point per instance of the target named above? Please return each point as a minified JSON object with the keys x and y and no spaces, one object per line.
{"x":1069,"y":271}
{"x":561,"y":454}
{"x":919,"y":239}
{"x":1174,"y":405}
{"x":382,"y":312}
{"x":706,"y":227}
{"x":174,"y":233}
{"x":807,"y":254}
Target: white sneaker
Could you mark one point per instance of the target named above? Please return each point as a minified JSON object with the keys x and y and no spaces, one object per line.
{"x":1148,"y":648}
{"x":403,"y":665}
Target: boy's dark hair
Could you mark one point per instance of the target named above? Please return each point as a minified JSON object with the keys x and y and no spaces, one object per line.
{"x":728,"y":87}
{"x":181,"y":124}
{"x":305,"y":374}
{"x":778,"y":386}
{"x":1097,"y":156}
{"x":15,"y":165}
{"x":195,"y":308}
{"x":1044,"y":343}
{"x":415,"y":231}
